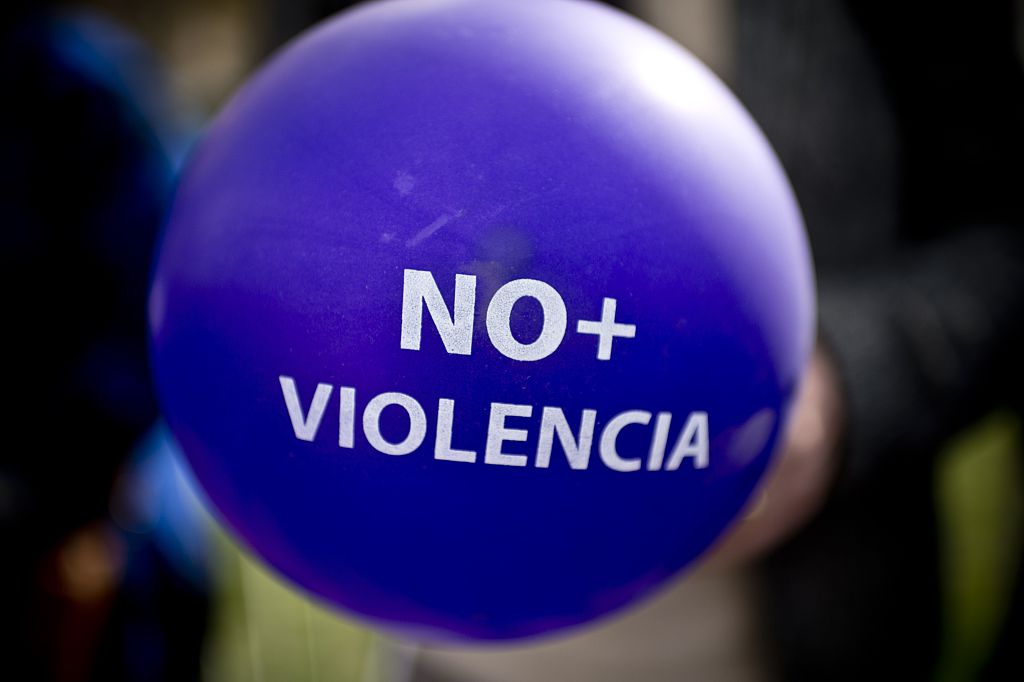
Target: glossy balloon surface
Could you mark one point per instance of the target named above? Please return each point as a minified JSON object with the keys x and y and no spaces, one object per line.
{"x":559,"y":142}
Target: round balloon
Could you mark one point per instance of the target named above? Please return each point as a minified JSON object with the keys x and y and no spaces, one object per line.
{"x":481,"y":319}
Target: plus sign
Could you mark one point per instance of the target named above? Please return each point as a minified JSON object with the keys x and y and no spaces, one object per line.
{"x":606,"y":330}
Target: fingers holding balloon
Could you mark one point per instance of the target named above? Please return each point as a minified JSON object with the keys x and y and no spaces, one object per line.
{"x":796,"y":486}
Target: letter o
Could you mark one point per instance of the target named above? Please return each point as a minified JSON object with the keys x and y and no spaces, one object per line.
{"x":417,"y":423}
{"x":499,"y":313}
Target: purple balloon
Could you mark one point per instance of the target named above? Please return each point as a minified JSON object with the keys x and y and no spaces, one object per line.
{"x":481,"y":319}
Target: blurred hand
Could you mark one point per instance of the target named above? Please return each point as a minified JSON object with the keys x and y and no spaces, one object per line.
{"x":801,"y":477}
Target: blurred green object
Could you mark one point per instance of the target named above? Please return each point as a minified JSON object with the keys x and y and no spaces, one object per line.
{"x":981,"y":515}
{"x":263,"y":630}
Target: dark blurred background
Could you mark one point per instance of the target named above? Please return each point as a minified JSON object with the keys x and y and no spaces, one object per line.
{"x":901,"y":126}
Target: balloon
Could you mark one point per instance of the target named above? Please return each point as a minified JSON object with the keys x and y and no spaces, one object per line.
{"x":481,"y":319}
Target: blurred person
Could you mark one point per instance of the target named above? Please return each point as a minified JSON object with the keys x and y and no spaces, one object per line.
{"x":902,"y":128}
{"x":86,"y":175}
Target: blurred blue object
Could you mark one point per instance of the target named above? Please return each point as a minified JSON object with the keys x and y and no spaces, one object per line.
{"x":160,"y":498}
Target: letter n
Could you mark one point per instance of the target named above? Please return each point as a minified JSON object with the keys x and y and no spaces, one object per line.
{"x":456,"y":330}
